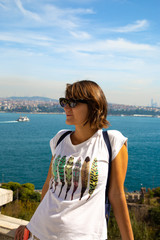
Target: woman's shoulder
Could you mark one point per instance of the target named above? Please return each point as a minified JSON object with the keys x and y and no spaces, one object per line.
{"x":117,"y":139}
{"x":54,"y":140}
{"x":58,"y":135}
{"x":115,"y":134}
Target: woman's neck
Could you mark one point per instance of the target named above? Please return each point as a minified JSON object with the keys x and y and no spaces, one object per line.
{"x":81,"y":134}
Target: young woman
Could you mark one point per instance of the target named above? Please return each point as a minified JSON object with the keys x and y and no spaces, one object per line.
{"x":73,"y":205}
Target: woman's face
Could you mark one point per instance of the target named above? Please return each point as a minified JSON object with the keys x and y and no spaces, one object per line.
{"x":78,"y":115}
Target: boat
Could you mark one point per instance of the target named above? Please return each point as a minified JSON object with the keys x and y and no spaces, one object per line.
{"x":23,"y":119}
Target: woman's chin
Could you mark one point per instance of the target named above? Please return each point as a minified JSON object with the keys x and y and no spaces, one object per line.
{"x":68,"y":122}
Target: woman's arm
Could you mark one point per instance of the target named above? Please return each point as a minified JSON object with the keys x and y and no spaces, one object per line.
{"x":117,"y":196}
{"x":46,"y":184}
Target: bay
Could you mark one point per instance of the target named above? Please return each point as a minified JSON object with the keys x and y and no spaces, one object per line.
{"x":25,"y":152}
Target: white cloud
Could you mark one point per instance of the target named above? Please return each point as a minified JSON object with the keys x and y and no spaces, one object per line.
{"x":117,"y":45}
{"x":139,"y":25}
{"x":65,"y":18}
{"x":26,"y":38}
{"x":123,"y":45}
{"x":27,"y":13}
{"x":80,"y":35}
{"x":98,"y":46}
{"x":79,"y":11}
{"x":80,"y":47}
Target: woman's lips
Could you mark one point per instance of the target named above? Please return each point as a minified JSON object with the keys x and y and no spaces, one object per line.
{"x":68,"y":114}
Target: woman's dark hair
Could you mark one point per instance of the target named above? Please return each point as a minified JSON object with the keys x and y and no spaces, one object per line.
{"x":97,"y":103}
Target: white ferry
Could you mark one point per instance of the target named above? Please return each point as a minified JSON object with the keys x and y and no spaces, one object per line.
{"x":23,"y":119}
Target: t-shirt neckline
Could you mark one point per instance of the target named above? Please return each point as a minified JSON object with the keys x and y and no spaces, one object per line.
{"x":85,"y":142}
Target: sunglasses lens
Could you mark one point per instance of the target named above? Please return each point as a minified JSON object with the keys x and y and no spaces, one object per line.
{"x":63,"y":102}
{"x":72,"y":103}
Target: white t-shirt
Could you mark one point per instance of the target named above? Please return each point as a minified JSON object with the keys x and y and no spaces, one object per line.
{"x":74,"y":206}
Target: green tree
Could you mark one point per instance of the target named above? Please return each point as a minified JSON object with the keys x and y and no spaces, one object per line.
{"x":29,"y":186}
{"x":11,"y":185}
{"x":23,"y":192}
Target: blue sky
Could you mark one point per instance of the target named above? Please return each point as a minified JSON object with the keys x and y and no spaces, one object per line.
{"x":45,"y":44}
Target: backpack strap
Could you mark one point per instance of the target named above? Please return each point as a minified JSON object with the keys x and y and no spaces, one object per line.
{"x":107,"y":203}
{"x":62,"y":137}
{"x":107,"y":141}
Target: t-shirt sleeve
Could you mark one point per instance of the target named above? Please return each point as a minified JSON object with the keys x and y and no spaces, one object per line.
{"x":54,"y":140}
{"x":116,"y":140}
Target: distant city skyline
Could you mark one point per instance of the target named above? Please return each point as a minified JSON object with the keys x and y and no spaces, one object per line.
{"x":48,"y":105}
{"x":45,"y":44}
{"x":153,"y":104}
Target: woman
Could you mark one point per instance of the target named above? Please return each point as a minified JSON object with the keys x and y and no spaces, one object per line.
{"x":74,"y":192}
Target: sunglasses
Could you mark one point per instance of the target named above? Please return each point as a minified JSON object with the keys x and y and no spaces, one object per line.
{"x":71,"y":102}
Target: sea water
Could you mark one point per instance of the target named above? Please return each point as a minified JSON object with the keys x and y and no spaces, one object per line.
{"x":25,"y":152}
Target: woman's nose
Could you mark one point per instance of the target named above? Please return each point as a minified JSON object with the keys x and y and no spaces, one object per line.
{"x":67,"y":106}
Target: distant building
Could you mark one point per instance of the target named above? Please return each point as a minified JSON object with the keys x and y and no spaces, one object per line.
{"x":153,"y":104}
{"x":134,"y":197}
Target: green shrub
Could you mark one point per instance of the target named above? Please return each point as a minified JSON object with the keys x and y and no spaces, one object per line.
{"x":150,"y":193}
{"x":20,"y":209}
{"x":154,"y":215}
{"x":113,"y":230}
{"x":35,"y":196}
{"x":140,"y":230}
{"x":157,"y":192}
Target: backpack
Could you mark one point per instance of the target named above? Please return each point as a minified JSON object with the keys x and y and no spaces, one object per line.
{"x":106,"y":139}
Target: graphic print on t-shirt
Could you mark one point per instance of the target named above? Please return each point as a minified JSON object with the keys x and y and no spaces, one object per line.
{"x":55,"y":172}
{"x":68,"y":173}
{"x":93,"y":177}
{"x":84,"y":175}
{"x":61,"y":172}
{"x":76,"y":175}
{"x":64,"y":171}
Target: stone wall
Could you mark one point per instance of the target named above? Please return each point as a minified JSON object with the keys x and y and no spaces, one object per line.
{"x":8,"y":226}
{"x":6,"y":196}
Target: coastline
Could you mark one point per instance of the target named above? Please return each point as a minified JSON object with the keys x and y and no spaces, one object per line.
{"x":25,"y":113}
{"x":62,"y":113}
